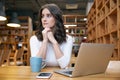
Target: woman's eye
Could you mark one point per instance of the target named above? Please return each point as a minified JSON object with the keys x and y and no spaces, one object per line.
{"x":49,"y":15}
{"x":42,"y":16}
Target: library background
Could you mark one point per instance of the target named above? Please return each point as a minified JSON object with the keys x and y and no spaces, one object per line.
{"x":91,"y":21}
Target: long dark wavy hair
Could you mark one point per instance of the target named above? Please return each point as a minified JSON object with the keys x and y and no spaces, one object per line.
{"x":58,"y":29}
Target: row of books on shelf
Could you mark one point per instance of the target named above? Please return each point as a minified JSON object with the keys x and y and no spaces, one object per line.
{"x":79,"y":39}
{"x":13,"y":39}
{"x":14,"y":32}
{"x":14,"y":46}
{"x":78,"y":31}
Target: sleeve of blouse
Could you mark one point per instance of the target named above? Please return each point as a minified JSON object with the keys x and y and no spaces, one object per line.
{"x":34,"y":47}
{"x":67,"y":50}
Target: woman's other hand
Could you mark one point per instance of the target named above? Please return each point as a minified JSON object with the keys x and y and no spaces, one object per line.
{"x":44,"y":33}
{"x":51,"y":37}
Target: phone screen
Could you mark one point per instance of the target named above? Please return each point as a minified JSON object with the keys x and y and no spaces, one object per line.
{"x":44,"y":75}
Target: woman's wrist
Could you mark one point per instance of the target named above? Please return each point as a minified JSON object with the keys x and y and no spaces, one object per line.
{"x":45,"y":41}
{"x":55,"y":43}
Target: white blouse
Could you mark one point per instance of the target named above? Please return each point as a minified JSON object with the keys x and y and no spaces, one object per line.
{"x":51,"y":60}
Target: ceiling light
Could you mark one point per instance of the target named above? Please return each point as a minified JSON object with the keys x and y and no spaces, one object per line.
{"x":67,"y":30}
{"x":2,"y":18}
{"x":85,"y":37}
{"x":71,"y":6}
{"x":85,"y":19}
{"x":14,"y":22}
{"x":2,"y":12}
{"x":69,"y":25}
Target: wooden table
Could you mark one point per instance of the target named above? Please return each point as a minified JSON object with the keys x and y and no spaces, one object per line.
{"x":24,"y":73}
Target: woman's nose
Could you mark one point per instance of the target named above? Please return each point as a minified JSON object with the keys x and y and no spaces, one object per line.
{"x":44,"y":18}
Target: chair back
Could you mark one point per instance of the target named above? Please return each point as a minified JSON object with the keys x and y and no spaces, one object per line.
{"x":19,"y":53}
{"x":5,"y":53}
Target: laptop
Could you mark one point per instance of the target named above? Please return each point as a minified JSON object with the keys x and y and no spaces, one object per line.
{"x":92,"y":58}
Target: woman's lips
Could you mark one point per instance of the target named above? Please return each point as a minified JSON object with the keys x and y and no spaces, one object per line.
{"x":45,"y":23}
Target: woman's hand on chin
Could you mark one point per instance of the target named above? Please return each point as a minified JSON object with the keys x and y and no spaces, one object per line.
{"x":51,"y":37}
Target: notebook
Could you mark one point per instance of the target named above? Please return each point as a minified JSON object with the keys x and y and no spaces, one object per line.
{"x":92,"y":58}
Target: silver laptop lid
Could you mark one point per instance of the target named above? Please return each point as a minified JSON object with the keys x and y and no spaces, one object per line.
{"x":92,"y":58}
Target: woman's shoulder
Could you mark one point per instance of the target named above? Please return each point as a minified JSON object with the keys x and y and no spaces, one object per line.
{"x":34,"y":37}
{"x":69,"y":37}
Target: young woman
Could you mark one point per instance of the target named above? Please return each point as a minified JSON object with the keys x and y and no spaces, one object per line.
{"x":50,"y":40}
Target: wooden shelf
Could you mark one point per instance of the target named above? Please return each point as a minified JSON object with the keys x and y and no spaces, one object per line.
{"x":105,"y":27}
{"x":77,"y":32}
{"x":15,"y":36}
{"x":75,"y":19}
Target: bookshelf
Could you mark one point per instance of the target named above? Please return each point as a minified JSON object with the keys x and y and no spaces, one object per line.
{"x":104,"y":24}
{"x":16,"y":37}
{"x":76,"y":26}
{"x":77,"y":29}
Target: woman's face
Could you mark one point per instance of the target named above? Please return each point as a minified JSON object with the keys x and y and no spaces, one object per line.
{"x":47,"y":19}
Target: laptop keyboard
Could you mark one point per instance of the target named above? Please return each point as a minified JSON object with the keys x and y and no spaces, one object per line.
{"x":68,"y":72}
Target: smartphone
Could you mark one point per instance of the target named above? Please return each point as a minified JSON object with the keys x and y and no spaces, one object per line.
{"x":44,"y":75}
